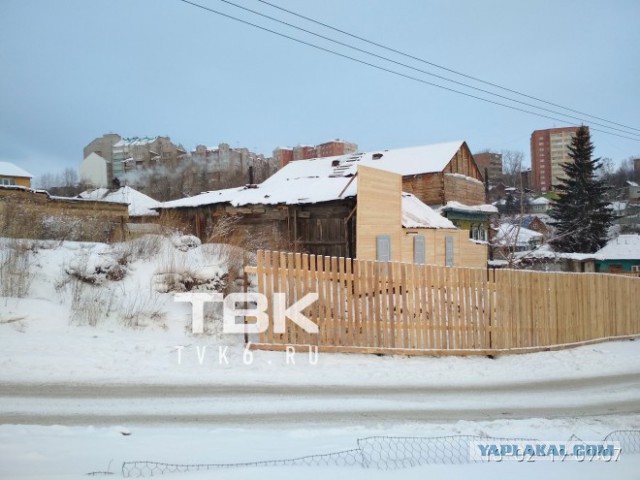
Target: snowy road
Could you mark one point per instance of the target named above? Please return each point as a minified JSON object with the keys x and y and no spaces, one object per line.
{"x":82,"y":404}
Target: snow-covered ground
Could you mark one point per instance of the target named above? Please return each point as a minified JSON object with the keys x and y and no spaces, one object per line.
{"x":71,"y":452}
{"x":80,"y":363}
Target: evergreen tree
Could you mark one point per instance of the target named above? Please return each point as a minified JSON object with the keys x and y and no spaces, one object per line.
{"x":580,"y":211}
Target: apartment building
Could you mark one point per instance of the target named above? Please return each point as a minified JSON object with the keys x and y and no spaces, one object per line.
{"x":124,"y":155}
{"x":491,"y":163}
{"x":549,"y":150}
{"x":223,"y":158}
{"x":283,"y":155}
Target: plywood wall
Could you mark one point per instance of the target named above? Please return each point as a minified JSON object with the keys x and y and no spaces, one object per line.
{"x":379,"y":211}
{"x":465,"y":252}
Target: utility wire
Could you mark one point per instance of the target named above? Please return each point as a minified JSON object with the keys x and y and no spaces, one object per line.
{"x":390,"y":49}
{"x":379,"y":67}
{"x":446,"y":79}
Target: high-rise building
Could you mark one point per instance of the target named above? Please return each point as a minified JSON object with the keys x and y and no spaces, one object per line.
{"x":492,"y":163}
{"x":126,"y":154}
{"x":224,"y":158}
{"x":284,"y":155}
{"x":549,"y":150}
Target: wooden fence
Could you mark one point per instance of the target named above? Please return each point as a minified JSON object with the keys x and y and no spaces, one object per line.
{"x":375,"y":307}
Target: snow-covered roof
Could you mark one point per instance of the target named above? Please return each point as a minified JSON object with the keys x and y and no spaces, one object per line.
{"x":540,"y":201}
{"x":416,"y":214}
{"x":544,"y":252}
{"x":625,"y":247}
{"x":139,"y":203}
{"x":461,"y":207}
{"x":129,"y":142}
{"x":617,"y":206}
{"x":631,"y":183}
{"x":326,"y":179}
{"x":506,"y":234}
{"x":10,"y":170}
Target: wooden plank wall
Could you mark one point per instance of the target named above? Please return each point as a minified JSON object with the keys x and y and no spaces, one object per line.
{"x":463,"y":163}
{"x":428,"y":187}
{"x":463,"y":190}
{"x":371,"y":307}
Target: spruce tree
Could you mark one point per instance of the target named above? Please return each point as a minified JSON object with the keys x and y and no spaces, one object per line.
{"x":580,"y":211}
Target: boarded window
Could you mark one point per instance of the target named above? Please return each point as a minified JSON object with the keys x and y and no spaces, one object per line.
{"x":448,"y":251}
{"x":419,"y":250}
{"x":383,"y":248}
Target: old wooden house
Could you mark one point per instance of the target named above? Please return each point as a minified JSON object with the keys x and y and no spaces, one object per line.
{"x":436,"y":174}
{"x":312,"y":205}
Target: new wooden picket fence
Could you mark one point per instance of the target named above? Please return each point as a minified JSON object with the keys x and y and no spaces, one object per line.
{"x":389,"y":307}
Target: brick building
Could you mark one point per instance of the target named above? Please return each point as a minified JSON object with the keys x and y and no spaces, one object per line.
{"x":549,"y":149}
{"x":284,"y":155}
{"x":491,"y":163}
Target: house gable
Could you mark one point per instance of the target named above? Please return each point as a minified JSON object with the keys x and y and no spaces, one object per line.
{"x":463,"y":163}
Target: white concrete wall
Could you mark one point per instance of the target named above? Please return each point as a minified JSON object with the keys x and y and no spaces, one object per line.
{"x":93,"y":170}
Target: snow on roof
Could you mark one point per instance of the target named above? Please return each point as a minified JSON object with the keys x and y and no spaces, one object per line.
{"x":10,"y":170}
{"x":461,"y":207}
{"x":631,"y":183}
{"x":506,"y":234}
{"x":625,"y":247}
{"x":545,"y":252}
{"x":327,"y":178}
{"x":466,"y":177}
{"x":415,"y":214}
{"x":139,"y":203}
{"x":617,"y":206}
{"x":129,"y":142}
{"x":540,"y":201}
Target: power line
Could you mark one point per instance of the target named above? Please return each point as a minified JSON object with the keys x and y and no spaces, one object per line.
{"x":446,"y":79}
{"x":390,"y":49}
{"x":379,"y":67}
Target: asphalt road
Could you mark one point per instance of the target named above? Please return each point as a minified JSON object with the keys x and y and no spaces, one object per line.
{"x":87,"y":404}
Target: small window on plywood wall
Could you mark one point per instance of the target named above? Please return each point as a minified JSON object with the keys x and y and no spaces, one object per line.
{"x":448,"y":251}
{"x":419,"y":250}
{"x":383,"y":248}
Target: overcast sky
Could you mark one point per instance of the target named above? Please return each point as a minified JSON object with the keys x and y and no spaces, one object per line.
{"x":73,"y":70}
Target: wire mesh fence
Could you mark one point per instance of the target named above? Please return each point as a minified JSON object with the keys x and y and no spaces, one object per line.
{"x":379,"y":453}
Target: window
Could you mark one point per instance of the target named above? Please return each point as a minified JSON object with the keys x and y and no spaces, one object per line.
{"x":383,"y":248}
{"x":419,"y":250}
{"x":7,"y":181}
{"x":635,"y":268}
{"x":448,"y":251}
{"x":478,"y":233}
